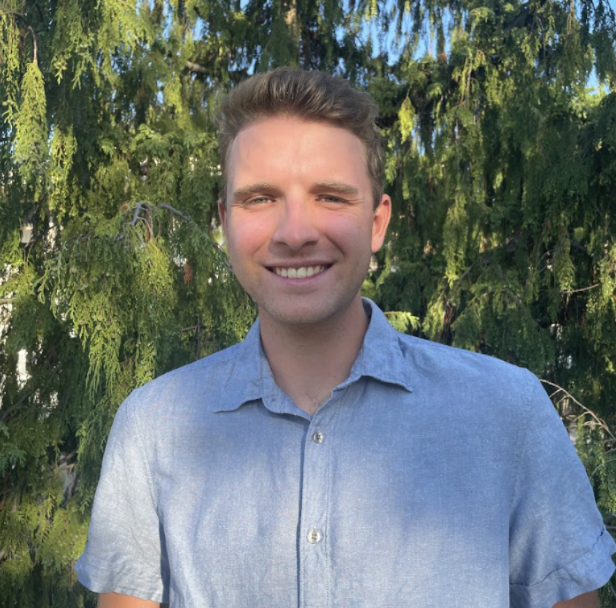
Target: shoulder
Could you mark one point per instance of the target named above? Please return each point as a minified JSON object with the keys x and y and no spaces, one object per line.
{"x":469,"y":379}
{"x":457,"y":361}
{"x":198,"y":384}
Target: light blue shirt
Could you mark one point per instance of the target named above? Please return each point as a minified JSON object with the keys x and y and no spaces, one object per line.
{"x":432,"y":478}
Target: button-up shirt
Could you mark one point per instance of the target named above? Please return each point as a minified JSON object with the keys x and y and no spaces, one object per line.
{"x":431,"y":477}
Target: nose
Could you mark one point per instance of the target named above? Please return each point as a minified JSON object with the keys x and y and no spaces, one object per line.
{"x":296,"y":227}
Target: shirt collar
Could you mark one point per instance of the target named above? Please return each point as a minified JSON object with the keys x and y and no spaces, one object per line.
{"x":250,"y":377}
{"x":381,"y":355}
{"x":380,"y":358}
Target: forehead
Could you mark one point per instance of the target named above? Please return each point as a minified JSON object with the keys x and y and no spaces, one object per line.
{"x":290,"y":146}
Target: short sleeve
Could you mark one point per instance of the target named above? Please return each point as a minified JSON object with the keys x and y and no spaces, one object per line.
{"x":558,"y":547}
{"x":125,"y":548}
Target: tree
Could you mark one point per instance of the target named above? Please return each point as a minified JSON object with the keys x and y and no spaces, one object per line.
{"x":501,"y":164}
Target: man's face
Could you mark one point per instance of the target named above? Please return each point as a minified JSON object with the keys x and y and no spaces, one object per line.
{"x":299,"y":219}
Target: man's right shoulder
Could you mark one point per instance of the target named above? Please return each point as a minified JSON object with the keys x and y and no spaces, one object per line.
{"x":202,"y":383}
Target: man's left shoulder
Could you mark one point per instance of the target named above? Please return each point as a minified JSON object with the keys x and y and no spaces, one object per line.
{"x":457,"y":360}
{"x":467,"y":375}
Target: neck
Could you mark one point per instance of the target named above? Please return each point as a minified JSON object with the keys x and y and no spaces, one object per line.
{"x":309,"y":361}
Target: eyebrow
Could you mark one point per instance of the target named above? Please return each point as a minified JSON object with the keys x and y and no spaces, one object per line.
{"x":254,"y":189}
{"x":337,"y":187}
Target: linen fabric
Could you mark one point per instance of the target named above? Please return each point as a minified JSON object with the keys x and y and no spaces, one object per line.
{"x":431,"y":477}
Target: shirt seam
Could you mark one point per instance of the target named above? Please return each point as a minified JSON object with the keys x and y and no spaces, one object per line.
{"x":131,"y":418}
{"x":566,"y":566}
{"x":518,"y":438}
{"x":103,"y":565}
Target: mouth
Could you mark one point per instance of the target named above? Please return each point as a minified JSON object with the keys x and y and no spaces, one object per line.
{"x":300,"y":272}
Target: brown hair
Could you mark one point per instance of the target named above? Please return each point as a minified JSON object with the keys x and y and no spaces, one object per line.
{"x":309,"y":95}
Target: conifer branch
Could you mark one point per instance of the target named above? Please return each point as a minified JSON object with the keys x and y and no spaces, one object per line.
{"x":167,"y":206}
{"x":34,"y":51}
{"x":187,"y":218}
{"x":464,"y":274}
{"x":8,"y":412}
{"x":570,"y":291}
{"x":195,"y":67}
{"x":66,"y":457}
{"x":609,"y":585}
{"x":7,"y":300}
{"x":144,"y":205}
{"x":198,"y":327}
{"x":568,"y":395}
{"x":138,"y":209}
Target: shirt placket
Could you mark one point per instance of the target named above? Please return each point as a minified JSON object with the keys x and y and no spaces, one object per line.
{"x":313,"y":542}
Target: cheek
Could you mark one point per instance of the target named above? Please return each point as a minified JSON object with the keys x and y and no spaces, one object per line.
{"x":244,"y":238}
{"x":350,"y":234}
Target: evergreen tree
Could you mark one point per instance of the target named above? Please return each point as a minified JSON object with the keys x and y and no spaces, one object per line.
{"x":501,"y":164}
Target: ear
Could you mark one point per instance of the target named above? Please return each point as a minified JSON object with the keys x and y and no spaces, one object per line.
{"x":380,"y":221}
{"x":222,"y":214}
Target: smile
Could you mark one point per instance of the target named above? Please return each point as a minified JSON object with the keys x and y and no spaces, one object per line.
{"x":299,"y":273}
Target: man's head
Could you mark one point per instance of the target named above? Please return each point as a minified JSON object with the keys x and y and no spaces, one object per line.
{"x":300,"y":213}
{"x":312,"y":96}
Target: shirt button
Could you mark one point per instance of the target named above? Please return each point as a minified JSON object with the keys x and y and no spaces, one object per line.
{"x":314,"y":536}
{"x":318,"y":437}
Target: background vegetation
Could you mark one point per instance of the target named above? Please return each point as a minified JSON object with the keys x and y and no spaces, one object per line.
{"x":500,"y":160}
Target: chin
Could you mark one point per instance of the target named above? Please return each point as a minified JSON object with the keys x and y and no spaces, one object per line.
{"x":296,"y":314}
{"x":295,"y":317}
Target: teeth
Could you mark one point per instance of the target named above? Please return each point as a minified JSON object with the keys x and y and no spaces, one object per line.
{"x":299,"y":273}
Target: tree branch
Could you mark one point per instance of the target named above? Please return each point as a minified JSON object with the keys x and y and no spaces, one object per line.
{"x":138,"y":209}
{"x":167,"y":206}
{"x":195,"y":67}
{"x":144,"y":205}
{"x":7,"y":413}
{"x":34,"y":60}
{"x":193,"y":328}
{"x":187,"y":218}
{"x":599,"y":421}
{"x":570,"y":291}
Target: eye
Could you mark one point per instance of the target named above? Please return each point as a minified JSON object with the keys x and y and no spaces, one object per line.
{"x":331,"y":198}
{"x":259,"y":200}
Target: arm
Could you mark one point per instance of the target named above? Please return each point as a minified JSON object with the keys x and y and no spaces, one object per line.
{"x":125,"y":548}
{"x":586,"y":600}
{"x":558,"y":543}
{"x":116,"y":600}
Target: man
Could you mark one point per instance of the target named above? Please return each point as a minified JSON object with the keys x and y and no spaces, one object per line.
{"x":328,"y":461}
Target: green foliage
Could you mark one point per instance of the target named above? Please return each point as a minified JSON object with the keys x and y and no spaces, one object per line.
{"x":31,"y":129}
{"x":501,"y":164}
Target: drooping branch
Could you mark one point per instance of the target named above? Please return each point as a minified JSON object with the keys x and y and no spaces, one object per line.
{"x":568,"y":395}
{"x":145,"y":206}
{"x":570,"y":291}
{"x":34,"y":59}
{"x":195,"y":67}
{"x":167,"y":206}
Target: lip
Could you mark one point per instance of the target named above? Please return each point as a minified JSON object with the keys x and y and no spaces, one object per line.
{"x":326,"y":266}
{"x":298,"y":264}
